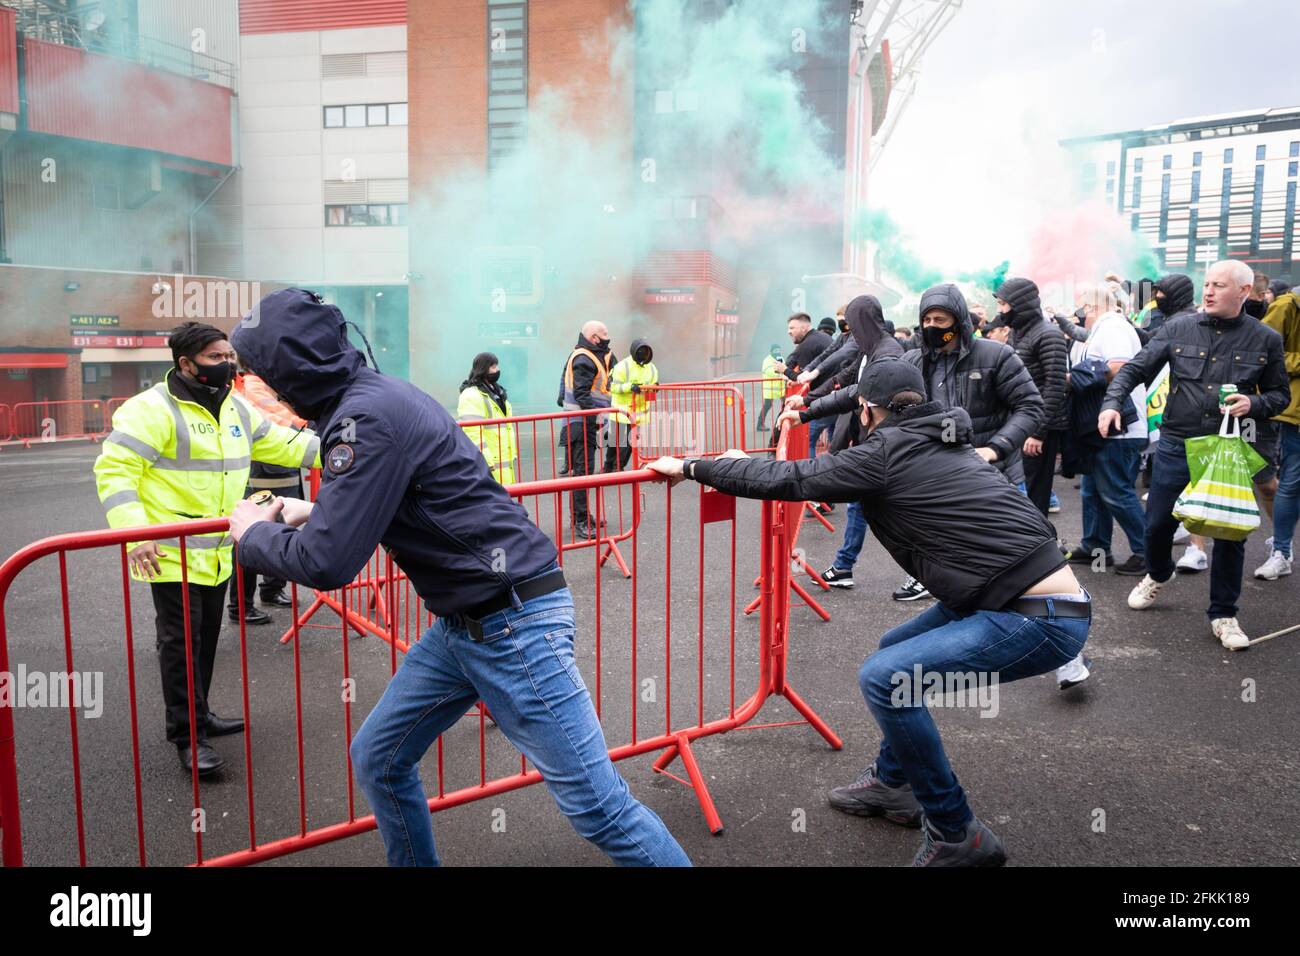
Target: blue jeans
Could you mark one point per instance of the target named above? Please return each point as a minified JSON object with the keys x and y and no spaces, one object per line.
{"x":940,"y":640}
{"x":1286,"y":506}
{"x":1110,"y":494}
{"x":523,"y":669}
{"x":815,"y":428}
{"x":855,"y":533}
{"x":1169,"y":476}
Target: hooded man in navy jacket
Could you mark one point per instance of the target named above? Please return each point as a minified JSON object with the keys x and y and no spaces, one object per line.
{"x":400,"y":472}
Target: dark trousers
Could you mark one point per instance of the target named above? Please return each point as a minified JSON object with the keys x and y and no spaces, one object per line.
{"x":1039,"y":470}
{"x":206,"y":604}
{"x":618,"y":446}
{"x":762,"y":415}
{"x":269,"y":585}
{"x":1169,"y":476}
{"x":582,"y":460}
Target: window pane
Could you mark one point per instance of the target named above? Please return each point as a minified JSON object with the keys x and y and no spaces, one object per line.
{"x":378,"y":215}
{"x":333,"y":116}
{"x":396,"y":114}
{"x":356,"y":115}
{"x":335,"y":216}
{"x":377,"y":115}
{"x":397,"y":215}
{"x":358,"y":215}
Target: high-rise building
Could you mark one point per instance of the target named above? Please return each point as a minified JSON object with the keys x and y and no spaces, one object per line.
{"x":1203,"y":189}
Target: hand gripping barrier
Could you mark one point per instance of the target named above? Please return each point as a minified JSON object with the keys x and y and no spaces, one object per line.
{"x":663,"y":676}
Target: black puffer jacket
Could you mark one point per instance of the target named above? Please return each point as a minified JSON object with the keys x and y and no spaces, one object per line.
{"x":1180,"y":296}
{"x":1203,"y":353}
{"x":1041,"y":347}
{"x":942,"y":513}
{"x":993,"y":385}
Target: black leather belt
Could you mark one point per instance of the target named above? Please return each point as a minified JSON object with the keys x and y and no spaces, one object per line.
{"x":526,"y":590}
{"x":1050,"y":607}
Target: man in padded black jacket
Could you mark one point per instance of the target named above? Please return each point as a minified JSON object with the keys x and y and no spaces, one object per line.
{"x":1009,"y":606}
{"x":1042,"y":349}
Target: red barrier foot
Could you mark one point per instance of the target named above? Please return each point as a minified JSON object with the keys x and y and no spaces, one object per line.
{"x":696,"y":782}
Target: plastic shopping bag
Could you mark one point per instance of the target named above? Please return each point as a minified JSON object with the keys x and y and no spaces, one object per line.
{"x":1219,"y":501}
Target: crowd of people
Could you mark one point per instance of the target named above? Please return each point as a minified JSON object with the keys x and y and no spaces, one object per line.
{"x":944,"y":441}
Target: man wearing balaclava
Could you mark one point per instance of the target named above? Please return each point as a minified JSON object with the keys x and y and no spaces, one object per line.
{"x":401,"y":473}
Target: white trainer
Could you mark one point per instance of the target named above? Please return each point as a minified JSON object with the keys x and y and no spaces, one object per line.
{"x":1181,"y":535}
{"x":1073,"y":673}
{"x":1193,"y":561}
{"x":1229,"y":633}
{"x":1144,"y":595}
{"x":1278,"y":565}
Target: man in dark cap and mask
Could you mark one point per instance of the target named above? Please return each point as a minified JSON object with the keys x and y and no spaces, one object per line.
{"x":1009,"y":607}
{"x":1174,"y":295}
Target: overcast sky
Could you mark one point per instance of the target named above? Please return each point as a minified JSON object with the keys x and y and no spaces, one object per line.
{"x":973,"y":167}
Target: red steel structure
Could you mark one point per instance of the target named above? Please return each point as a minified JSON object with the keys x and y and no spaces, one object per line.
{"x":634,"y":724}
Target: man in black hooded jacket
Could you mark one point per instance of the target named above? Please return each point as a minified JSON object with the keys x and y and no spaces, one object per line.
{"x":838,"y":396}
{"x":983,"y":377}
{"x":400,"y":472}
{"x":1174,"y":295}
{"x":1009,"y":607}
{"x":1041,"y":347}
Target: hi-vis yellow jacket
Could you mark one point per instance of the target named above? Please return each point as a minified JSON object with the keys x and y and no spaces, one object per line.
{"x":630,"y":407}
{"x":496,"y":442}
{"x":168,"y":460}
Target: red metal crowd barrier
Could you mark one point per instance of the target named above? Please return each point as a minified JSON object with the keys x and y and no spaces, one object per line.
{"x":761,"y":399}
{"x":51,"y":421}
{"x":670,"y":656}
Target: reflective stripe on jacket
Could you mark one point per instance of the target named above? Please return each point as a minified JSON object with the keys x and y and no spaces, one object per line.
{"x":496,"y":442}
{"x":167,"y":460}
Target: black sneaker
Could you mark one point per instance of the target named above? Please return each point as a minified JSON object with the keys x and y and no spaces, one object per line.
{"x":1132,"y":565}
{"x":912,"y":590}
{"x":868,"y":797}
{"x":837,"y":578}
{"x":1079,"y":556}
{"x":980,"y":847}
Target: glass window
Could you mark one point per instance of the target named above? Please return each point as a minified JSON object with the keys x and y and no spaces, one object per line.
{"x":1137,"y":165}
{"x":396,"y":114}
{"x":336,"y":216}
{"x":358,"y":215}
{"x":354,"y":116}
{"x":1291,"y":168}
{"x":1259,"y":151}
{"x":333,"y":117}
{"x":378,"y":215}
{"x":1110,"y":168}
{"x":1196,"y":159}
{"x":1295,"y":149}
{"x":377,"y":115}
{"x":1227,"y":156}
{"x":1169,"y":161}
{"x":397,"y":214}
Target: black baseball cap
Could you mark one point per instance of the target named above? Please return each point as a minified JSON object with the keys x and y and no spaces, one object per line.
{"x":882,"y":379}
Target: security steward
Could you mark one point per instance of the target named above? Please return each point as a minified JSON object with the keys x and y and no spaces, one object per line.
{"x":629,"y":384}
{"x":278,"y":480}
{"x":1008,"y":607}
{"x":177,"y":451}
{"x":400,"y":472}
{"x":586,"y":386}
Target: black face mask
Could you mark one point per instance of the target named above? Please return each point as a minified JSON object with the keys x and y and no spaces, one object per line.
{"x":493,"y":377}
{"x":844,"y":325}
{"x":214,"y":376}
{"x":1256,"y":308}
{"x":936,"y":338}
{"x":642,"y":356}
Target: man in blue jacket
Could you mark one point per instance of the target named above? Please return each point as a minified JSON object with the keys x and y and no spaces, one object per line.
{"x":399,"y":471}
